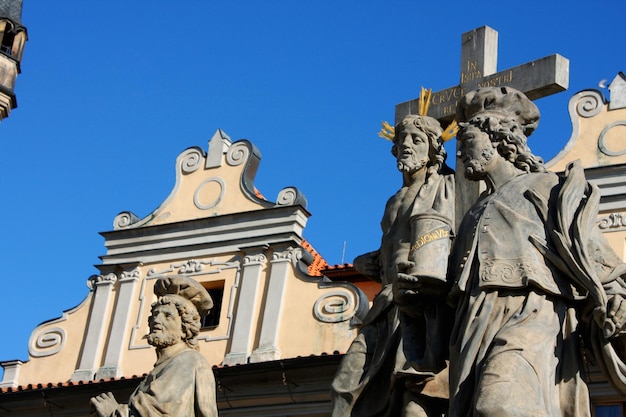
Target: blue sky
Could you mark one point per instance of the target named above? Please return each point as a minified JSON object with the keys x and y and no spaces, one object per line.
{"x":111,"y":92}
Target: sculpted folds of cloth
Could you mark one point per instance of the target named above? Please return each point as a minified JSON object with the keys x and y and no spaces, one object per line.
{"x":182,"y":382}
{"x":533,"y":275}
{"x":397,"y":363}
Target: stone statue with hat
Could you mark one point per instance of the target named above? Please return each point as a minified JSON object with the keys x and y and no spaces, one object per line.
{"x":182,"y":382}
{"x":533,"y":277}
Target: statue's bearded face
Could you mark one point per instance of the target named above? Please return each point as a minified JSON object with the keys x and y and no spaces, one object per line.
{"x":476,"y":152}
{"x":165,"y":326}
{"x":411,"y":148}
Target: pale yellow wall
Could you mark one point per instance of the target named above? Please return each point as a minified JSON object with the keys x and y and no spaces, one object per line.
{"x":55,"y":368}
{"x":617,"y":240}
{"x":303,"y":334}
{"x":587,"y":129}
{"x":182,"y":207}
{"x":595,"y":124}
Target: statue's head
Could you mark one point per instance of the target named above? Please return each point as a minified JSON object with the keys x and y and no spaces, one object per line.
{"x":417,"y":144}
{"x":496,"y":120}
{"x":177,"y":314}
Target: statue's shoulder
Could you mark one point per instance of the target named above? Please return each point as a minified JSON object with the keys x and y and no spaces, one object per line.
{"x":449,"y":179}
{"x":442,"y":181}
{"x":190,"y":357}
{"x":542,"y":182}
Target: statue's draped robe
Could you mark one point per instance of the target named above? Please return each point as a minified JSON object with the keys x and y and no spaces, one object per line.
{"x":390,"y":347}
{"x":522,"y":313}
{"x":180,"y":385}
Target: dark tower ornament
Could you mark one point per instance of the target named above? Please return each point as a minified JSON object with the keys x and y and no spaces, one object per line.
{"x":13,"y":37}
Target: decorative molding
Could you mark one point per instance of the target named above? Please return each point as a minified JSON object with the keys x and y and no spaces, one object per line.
{"x":190,"y":268}
{"x":352,"y":299}
{"x":41,"y":330}
{"x":132,"y":275}
{"x":612,"y":222}
{"x":254,"y":259}
{"x":291,"y":196}
{"x":589,"y":103}
{"x":218,"y":145}
{"x":47,"y":343}
{"x":335,"y":307}
{"x":602,"y":146}
{"x":191,"y":160}
{"x":238,"y":154}
{"x":287,"y":255}
{"x":584,"y":104}
{"x":206,"y":236}
{"x":287,"y":196}
{"x":124,"y":219}
{"x":193,"y":267}
{"x":196,"y":194}
{"x":98,"y":280}
{"x":187,"y":162}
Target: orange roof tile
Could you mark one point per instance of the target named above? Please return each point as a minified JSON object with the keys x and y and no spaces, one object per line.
{"x":318,"y":264}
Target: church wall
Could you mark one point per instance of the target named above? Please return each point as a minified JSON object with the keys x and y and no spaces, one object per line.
{"x":217,"y":229}
{"x":55,"y":346}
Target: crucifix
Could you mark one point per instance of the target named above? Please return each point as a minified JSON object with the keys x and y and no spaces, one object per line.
{"x":479,"y":56}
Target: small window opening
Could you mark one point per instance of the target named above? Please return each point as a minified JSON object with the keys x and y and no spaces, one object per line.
{"x":216,"y":291}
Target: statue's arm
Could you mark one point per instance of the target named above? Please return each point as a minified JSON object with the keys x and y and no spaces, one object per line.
{"x":206,"y":404}
{"x":431,"y":231}
{"x":368,"y":264}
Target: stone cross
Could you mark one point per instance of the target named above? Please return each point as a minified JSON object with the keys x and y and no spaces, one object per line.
{"x":479,"y":56}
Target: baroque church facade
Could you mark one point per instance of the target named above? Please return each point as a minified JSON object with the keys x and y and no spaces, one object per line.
{"x":283,"y":317}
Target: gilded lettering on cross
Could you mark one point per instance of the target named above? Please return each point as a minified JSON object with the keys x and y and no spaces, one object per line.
{"x":479,"y":55}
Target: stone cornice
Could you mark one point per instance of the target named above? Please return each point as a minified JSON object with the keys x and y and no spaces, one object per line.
{"x":206,"y":236}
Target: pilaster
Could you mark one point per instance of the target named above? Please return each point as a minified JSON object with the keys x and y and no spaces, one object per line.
{"x":247,"y":305}
{"x":270,"y":326}
{"x":102,"y":286}
{"x":121,"y":326}
{"x":11,"y":373}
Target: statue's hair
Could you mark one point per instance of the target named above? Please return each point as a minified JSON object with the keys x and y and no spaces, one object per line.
{"x":508,"y":138}
{"x":432,"y":128}
{"x":191,"y":322}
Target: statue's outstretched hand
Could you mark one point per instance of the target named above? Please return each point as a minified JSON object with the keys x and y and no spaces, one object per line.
{"x":421,"y":285}
{"x":104,"y":405}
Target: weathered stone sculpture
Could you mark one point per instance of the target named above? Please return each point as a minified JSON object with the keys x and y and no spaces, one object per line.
{"x":533,"y":276}
{"x":182,"y":382}
{"x":396,"y":365}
